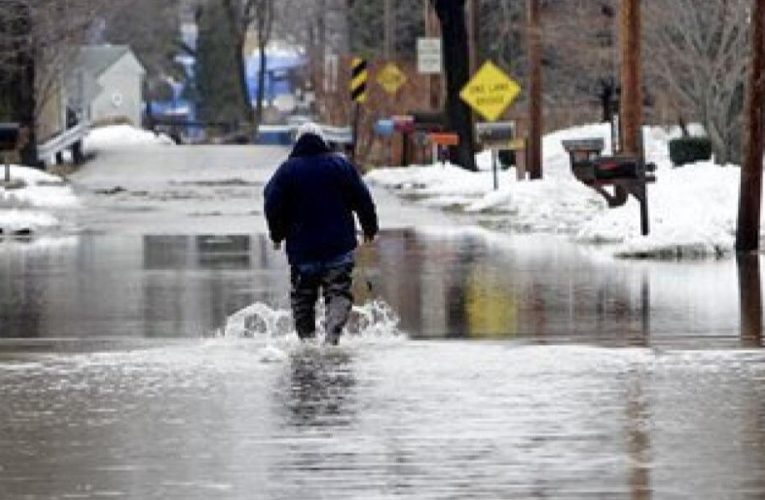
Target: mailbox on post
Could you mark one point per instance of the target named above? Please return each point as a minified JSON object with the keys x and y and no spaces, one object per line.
{"x":495,"y":136}
{"x":9,"y":140}
{"x":9,"y":136}
{"x":627,"y":174}
{"x":425,"y":121}
{"x":384,"y":128}
{"x":441,"y":141}
{"x":403,"y":123}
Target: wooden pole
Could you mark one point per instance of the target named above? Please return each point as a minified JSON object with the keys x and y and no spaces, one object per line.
{"x":750,"y":192}
{"x":432,"y":30}
{"x":750,"y":297}
{"x":631,"y":98}
{"x":390,"y":30}
{"x":535,"y":90}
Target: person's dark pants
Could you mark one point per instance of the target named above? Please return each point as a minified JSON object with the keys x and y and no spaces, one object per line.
{"x":335,"y":285}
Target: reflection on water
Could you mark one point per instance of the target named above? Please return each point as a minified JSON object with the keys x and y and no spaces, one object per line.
{"x":638,"y":436}
{"x":320,"y":388}
{"x":750,"y":294}
{"x":453,"y":285}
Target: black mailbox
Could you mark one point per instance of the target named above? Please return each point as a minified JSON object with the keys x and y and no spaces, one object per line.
{"x":621,"y":167}
{"x":9,"y":136}
{"x":626,"y":174}
{"x":425,"y":121}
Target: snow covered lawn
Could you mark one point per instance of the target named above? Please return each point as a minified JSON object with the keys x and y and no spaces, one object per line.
{"x":692,"y":209}
{"x":27,"y":204}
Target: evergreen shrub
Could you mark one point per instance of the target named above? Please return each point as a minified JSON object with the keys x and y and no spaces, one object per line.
{"x":686,"y":150}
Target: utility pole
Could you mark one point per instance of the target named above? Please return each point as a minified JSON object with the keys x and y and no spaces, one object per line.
{"x":534,"y":42}
{"x":390,"y":30}
{"x":631,"y":97}
{"x":750,"y":298}
{"x":748,"y":229}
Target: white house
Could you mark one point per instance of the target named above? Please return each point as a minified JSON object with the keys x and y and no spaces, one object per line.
{"x":106,"y":84}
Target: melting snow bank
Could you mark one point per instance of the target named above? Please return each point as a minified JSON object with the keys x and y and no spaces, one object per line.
{"x":692,"y":209}
{"x":120,"y":136}
{"x":26,"y":204}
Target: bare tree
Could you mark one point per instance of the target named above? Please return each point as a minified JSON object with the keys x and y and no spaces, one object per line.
{"x":264,"y":22}
{"x":241,"y":15}
{"x":38,"y":39}
{"x":698,"y":52}
{"x":244,"y":16}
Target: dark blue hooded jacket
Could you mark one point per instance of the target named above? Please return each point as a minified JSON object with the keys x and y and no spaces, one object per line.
{"x":310,"y":202}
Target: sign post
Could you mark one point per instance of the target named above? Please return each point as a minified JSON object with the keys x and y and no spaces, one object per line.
{"x":489,"y":93}
{"x":359,"y":77}
{"x":391,"y":79}
{"x":495,"y":136}
{"x":441,"y":141}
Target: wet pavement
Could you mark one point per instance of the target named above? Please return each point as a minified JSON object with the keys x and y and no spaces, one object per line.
{"x":148,"y":354}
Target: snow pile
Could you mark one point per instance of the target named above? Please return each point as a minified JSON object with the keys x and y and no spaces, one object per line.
{"x":25,"y":204}
{"x":692,"y":209}
{"x":120,"y":136}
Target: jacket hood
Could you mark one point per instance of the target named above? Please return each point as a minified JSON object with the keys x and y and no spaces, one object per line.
{"x":309,"y":145}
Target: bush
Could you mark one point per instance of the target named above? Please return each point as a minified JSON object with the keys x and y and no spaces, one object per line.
{"x":689,"y":150}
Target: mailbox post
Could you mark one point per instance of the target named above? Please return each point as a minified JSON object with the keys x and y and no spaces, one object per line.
{"x":441,"y":141}
{"x":426,"y":123}
{"x":495,"y":136}
{"x":404,"y":124}
{"x":627,"y":174}
{"x":9,"y":139}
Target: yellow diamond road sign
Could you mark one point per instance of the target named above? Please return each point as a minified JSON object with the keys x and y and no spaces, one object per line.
{"x":391,"y":78}
{"x":490,"y":91}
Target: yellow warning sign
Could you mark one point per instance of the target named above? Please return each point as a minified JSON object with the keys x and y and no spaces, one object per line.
{"x":391,"y":78}
{"x":490,"y":91}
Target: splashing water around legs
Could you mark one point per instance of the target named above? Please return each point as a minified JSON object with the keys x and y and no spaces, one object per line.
{"x":375,"y":320}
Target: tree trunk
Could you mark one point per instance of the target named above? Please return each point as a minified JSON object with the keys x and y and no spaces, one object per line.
{"x":748,"y":230}
{"x":244,"y":90}
{"x":24,"y":99}
{"x":451,"y":13}
{"x":261,"y":88}
{"x":27,"y":106}
{"x":474,"y":34}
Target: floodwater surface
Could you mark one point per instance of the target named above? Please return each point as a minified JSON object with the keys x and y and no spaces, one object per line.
{"x":459,"y":284}
{"x":165,"y":367}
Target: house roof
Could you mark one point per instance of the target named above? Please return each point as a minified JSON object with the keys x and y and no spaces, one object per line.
{"x":95,"y":59}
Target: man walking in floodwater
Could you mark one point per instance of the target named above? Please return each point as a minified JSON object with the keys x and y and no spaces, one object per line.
{"x":310,"y":202}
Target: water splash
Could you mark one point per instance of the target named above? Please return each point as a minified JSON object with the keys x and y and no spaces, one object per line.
{"x":373,"y":320}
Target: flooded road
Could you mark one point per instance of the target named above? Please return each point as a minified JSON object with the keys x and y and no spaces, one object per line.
{"x":518,"y":370}
{"x":455,"y":284}
{"x":149,"y":355}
